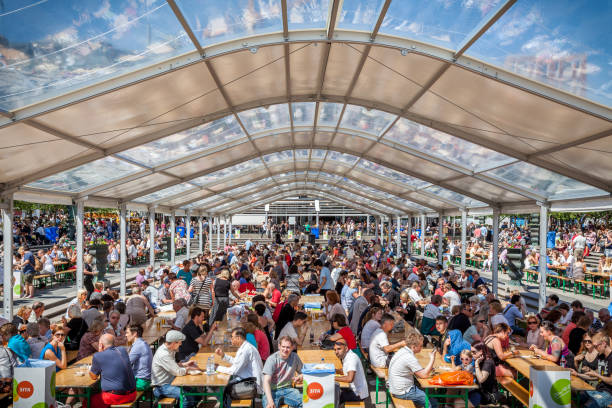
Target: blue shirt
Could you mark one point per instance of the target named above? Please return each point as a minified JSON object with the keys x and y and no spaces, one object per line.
{"x":20,"y":347}
{"x":141,"y":359}
{"x":511,"y":313}
{"x":57,"y":353}
{"x":113,"y":365}
{"x":251,"y":339}
{"x":346,"y":297}
{"x":186,"y":276}
{"x":29,"y":268}
{"x":325,"y":272}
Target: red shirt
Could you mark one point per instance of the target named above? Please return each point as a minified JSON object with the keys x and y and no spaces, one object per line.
{"x":247,"y":286}
{"x":276,"y":296}
{"x":277,"y":311}
{"x":347,"y":334}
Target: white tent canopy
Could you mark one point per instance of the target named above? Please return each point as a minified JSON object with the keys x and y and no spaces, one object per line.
{"x":240,"y":97}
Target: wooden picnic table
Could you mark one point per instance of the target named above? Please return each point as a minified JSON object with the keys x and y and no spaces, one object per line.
{"x":526,"y":360}
{"x":311,"y":299}
{"x":68,"y":378}
{"x":314,"y":356}
{"x":217,"y":380}
{"x":440,"y":366}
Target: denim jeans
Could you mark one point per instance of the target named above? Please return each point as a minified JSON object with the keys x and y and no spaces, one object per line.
{"x":418,"y":397}
{"x":172,"y":391}
{"x":596,"y":399}
{"x":290,"y":396}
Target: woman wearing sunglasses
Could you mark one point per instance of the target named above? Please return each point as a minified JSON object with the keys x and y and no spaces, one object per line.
{"x":587,"y":359}
{"x":55,"y":350}
{"x":533,"y":332}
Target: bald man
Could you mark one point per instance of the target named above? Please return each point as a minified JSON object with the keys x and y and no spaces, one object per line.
{"x":112,"y":365}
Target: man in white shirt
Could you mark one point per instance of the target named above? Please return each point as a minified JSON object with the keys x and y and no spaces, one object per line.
{"x":247,"y":363}
{"x":353,"y":374}
{"x":379,"y":345}
{"x":404,"y":366}
{"x":451,"y":297}
{"x":579,"y":242}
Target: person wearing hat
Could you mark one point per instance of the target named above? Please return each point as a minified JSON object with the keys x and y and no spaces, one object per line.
{"x":165,"y":368}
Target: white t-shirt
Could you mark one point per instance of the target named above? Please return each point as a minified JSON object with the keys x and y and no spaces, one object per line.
{"x":367,"y":332}
{"x":378,"y":357}
{"x":288,"y":330}
{"x":453,"y":298}
{"x":402,"y":367}
{"x":414,"y":295}
{"x":359,"y":385}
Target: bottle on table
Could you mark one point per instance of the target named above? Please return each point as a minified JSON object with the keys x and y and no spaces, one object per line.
{"x":210,"y":365}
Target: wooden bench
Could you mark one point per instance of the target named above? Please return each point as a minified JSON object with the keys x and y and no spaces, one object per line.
{"x":515,"y":389}
{"x":131,"y":404}
{"x":402,"y":403}
{"x":166,"y":402}
{"x":242,"y":403}
{"x":596,"y":285}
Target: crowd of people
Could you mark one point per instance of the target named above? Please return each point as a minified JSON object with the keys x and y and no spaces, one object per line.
{"x":370,"y":295}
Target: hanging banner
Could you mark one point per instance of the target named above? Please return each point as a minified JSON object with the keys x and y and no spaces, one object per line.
{"x":290,"y":234}
{"x":237,"y":234}
{"x":325,"y":237}
{"x":18,"y":282}
{"x":358,"y":235}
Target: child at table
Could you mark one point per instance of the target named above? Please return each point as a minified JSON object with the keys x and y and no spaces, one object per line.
{"x":466,"y":361}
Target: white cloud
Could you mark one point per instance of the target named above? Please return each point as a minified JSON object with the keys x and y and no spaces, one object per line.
{"x":517,"y":26}
{"x":442,"y":37}
{"x":545,"y":47}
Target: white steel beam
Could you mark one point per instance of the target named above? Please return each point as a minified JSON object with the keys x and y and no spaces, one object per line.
{"x":7,"y":236}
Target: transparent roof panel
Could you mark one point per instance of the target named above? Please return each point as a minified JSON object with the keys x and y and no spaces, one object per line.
{"x":307,"y":14}
{"x":446,"y":147}
{"x":329,"y":114}
{"x":334,"y":177}
{"x":318,"y":153}
{"x":366,"y":120}
{"x":302,"y":154}
{"x":50,"y":47}
{"x":261,"y":119}
{"x":359,"y":14}
{"x":441,"y":22}
{"x":187,"y":142}
{"x":453,"y":196}
{"x":561,"y":43}
{"x":341,"y":157}
{"x":217,"y":21}
{"x":303,"y":113}
{"x":205,"y":202}
{"x":232,"y":170}
{"x":545,"y":182}
{"x":391,"y":174}
{"x":165,"y":193}
{"x":87,"y":176}
{"x":278,"y":156}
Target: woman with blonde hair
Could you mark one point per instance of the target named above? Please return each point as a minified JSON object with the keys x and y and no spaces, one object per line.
{"x":22,"y":315}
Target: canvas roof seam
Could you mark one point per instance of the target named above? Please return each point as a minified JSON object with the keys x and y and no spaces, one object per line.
{"x":358,"y":69}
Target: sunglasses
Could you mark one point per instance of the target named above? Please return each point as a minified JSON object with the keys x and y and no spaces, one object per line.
{"x":482,"y":321}
{"x":587,"y":341}
{"x":22,"y":331}
{"x":530,"y":323}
